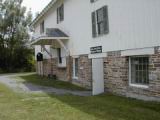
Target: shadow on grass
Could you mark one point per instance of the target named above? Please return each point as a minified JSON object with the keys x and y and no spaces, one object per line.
{"x":50,"y":82}
{"x":107,"y":106}
{"x":110,"y":107}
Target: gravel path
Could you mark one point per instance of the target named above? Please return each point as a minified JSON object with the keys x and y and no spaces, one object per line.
{"x":15,"y":84}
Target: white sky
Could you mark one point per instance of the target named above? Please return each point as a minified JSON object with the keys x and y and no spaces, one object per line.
{"x":35,"y":5}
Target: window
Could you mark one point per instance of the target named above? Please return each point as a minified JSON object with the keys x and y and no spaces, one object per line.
{"x":75,"y":67}
{"x":100,"y":24}
{"x":60,"y":14}
{"x":100,"y":21}
{"x":139,"y":73}
{"x":59,"y":55}
{"x":42,"y":27}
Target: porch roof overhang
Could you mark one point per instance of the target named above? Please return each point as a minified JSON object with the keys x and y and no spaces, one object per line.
{"x":52,"y":35}
{"x":45,"y":40}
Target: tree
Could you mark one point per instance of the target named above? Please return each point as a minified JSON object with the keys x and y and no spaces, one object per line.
{"x":14,"y":36}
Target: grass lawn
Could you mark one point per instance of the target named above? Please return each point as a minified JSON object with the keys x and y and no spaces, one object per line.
{"x":51,"y":107}
{"x":45,"y":81}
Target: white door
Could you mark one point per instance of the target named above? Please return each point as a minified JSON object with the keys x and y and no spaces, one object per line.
{"x":97,"y":76}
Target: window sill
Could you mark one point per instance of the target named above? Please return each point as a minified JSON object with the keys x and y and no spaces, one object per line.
{"x":75,"y":78}
{"x":101,"y":35}
{"x":61,"y":66}
{"x":139,"y":86}
{"x":59,"y":22}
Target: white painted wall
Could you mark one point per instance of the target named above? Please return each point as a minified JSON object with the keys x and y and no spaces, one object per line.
{"x":132,"y":24}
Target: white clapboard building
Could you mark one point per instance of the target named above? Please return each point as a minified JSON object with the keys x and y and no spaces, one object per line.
{"x":104,"y":45}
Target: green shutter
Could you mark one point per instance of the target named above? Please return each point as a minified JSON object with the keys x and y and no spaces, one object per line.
{"x":57,"y":15}
{"x":62,"y":11}
{"x":106,"y":21}
{"x":94,"y":31}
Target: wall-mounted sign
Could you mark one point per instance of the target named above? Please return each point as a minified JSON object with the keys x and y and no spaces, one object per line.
{"x":97,"y":49}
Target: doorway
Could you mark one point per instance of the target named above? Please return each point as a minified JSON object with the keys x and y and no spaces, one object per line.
{"x":97,"y":76}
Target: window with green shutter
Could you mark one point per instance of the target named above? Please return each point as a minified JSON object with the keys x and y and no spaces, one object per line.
{"x":42,"y":27}
{"x":60,"y":13}
{"x":100,"y":23}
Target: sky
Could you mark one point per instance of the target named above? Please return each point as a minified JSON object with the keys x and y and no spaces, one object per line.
{"x":35,"y":5}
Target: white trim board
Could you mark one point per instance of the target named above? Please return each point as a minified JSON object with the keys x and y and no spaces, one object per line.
{"x":98,"y":55}
{"x":142,"y":51}
{"x":75,"y":56}
{"x":74,"y":72}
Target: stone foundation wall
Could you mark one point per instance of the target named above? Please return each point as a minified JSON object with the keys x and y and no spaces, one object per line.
{"x":84,"y":72}
{"x":64,"y":73}
{"x":50,"y":67}
{"x":116,"y":74}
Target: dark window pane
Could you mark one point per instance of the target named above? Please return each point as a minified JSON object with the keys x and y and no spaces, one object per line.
{"x":100,"y":15}
{"x":140,"y":67}
{"x":100,"y":28}
{"x":42,"y":27}
{"x":60,"y":13}
{"x":59,"y":55}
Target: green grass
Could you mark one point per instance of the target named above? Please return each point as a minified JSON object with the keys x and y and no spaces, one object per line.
{"x":52,"y":107}
{"x":45,"y":81}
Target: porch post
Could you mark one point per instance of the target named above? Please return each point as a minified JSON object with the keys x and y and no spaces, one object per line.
{"x":69,"y":69}
{"x":50,"y":54}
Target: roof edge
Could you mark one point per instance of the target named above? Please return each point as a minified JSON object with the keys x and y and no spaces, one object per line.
{"x":43,"y":12}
